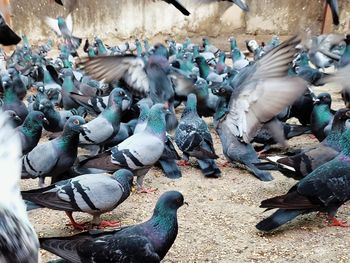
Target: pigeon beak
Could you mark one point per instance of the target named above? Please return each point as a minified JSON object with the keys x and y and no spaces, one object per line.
{"x":41,"y":106}
{"x":46,"y":121}
{"x":316,"y":101}
{"x":17,"y":118}
{"x":185,"y":203}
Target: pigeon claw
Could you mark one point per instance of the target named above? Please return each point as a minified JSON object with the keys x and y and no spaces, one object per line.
{"x":183,"y":163}
{"x":333,"y":221}
{"x":147,"y":190}
{"x":78,"y":226}
{"x":105,"y":224}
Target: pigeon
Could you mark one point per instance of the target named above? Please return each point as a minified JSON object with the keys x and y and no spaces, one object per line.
{"x":64,"y":27}
{"x":178,"y":6}
{"x":193,"y":138}
{"x":90,"y":193}
{"x":56,"y":119}
{"x":146,"y":242}
{"x":256,"y":99}
{"x":7,"y":36}
{"x":11,"y":100}
{"x":30,"y":131}
{"x":54,"y":157}
{"x":137,"y":153}
{"x":321,"y":115}
{"x":323,"y":190}
{"x":109,"y":119}
{"x":301,"y":164}
{"x":143,"y":78}
{"x":19,"y":242}
{"x":167,"y":161}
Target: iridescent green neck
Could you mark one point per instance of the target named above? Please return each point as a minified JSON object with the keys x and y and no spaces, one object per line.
{"x":31,"y":128}
{"x":156,"y":123}
{"x":233,"y":44}
{"x":101,"y":48}
{"x":68,"y":84}
{"x":322,"y":114}
{"x":345,"y":142}
{"x":112,"y":114}
{"x":10,"y":95}
{"x":47,"y":77}
{"x":204,"y":69}
{"x":68,"y":140}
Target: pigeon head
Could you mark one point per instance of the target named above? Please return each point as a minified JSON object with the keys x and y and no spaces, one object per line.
{"x":201,"y":88}
{"x":223,"y":91}
{"x":169,"y":202}
{"x":74,"y":124}
{"x":341,"y":120}
{"x":160,"y":50}
{"x":13,"y":117}
{"x":324,"y":99}
{"x":35,"y":119}
{"x":45,"y":105}
{"x":119,"y":98}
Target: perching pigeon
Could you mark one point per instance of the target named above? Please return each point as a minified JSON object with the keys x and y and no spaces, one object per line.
{"x":137,"y":153}
{"x":193,"y":138}
{"x":19,"y":242}
{"x":323,"y":190}
{"x":91,"y":193}
{"x":30,"y":130}
{"x":147,"y":242}
{"x":54,"y":157}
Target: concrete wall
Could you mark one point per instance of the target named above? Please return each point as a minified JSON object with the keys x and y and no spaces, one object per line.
{"x":124,"y":19}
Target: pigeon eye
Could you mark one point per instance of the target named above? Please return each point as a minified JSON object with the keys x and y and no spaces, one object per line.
{"x":347,"y":114}
{"x":76,"y":122}
{"x":222,"y":90}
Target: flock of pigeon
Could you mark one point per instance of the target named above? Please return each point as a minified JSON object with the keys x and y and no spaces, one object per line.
{"x":129,"y":94}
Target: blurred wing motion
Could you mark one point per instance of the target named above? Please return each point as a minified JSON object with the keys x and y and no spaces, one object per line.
{"x":265,"y":91}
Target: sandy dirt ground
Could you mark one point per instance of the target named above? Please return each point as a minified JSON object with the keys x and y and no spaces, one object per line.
{"x":219,"y":223}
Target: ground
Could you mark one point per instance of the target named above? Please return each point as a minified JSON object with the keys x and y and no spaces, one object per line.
{"x":219,"y":223}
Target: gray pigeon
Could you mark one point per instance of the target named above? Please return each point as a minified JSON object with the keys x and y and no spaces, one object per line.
{"x":193,"y":138}
{"x":54,"y":157}
{"x":90,"y":193}
{"x":106,"y":125}
{"x":19,"y":242}
{"x":260,"y":92}
{"x":137,"y":153}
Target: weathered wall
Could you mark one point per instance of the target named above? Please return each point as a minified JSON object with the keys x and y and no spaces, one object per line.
{"x":124,"y":19}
